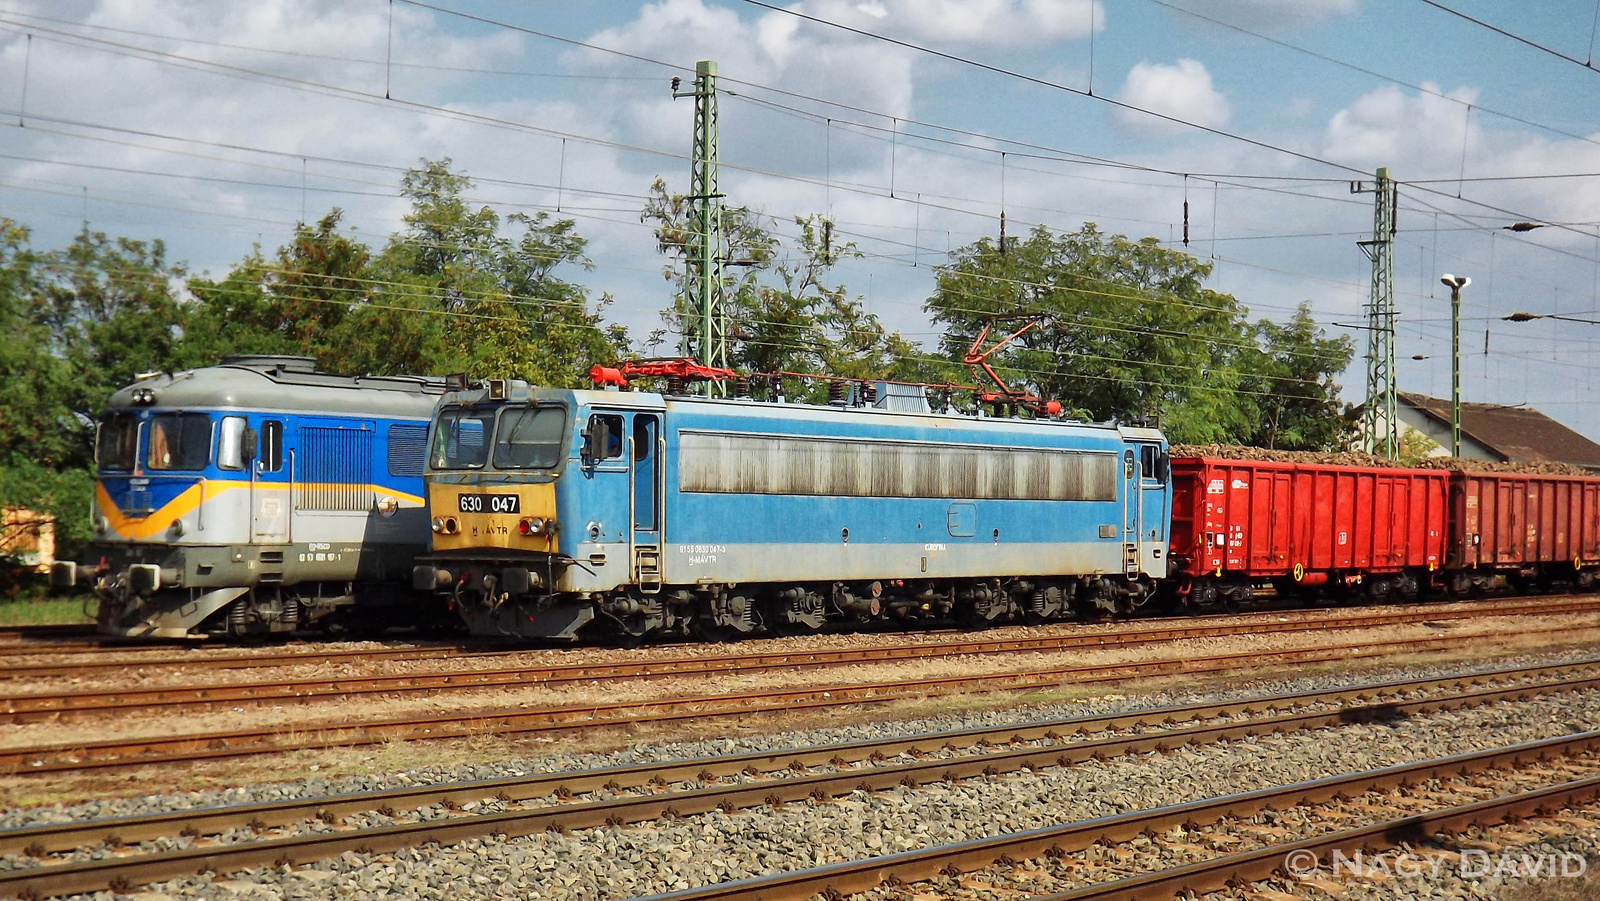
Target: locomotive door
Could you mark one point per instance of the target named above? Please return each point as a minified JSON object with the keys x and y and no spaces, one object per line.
{"x":1155,"y":470}
{"x":1132,"y":512}
{"x":644,"y":498}
{"x":269,"y":487}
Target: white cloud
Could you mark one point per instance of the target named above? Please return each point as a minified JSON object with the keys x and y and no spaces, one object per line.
{"x":1273,"y":15}
{"x":1389,"y":124}
{"x":1182,"y":91}
{"x":989,"y":22}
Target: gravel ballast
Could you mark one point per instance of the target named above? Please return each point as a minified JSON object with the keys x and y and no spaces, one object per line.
{"x":620,"y":862}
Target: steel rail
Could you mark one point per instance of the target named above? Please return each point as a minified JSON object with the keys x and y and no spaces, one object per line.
{"x":1180,"y":627}
{"x":1263,"y":863}
{"x":199,"y":746}
{"x":850,"y":877}
{"x":51,"y":706}
{"x":58,"y":837}
{"x":62,"y":878}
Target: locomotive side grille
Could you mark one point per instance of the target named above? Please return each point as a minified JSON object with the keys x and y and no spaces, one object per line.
{"x":408,"y":449}
{"x":740,"y":464}
{"x":336,"y":472}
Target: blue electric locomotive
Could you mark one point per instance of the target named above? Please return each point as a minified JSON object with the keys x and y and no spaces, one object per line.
{"x":557,"y":513}
{"x":257,"y":496}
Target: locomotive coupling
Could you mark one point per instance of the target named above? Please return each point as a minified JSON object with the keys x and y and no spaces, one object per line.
{"x":144,"y":578}
{"x":431,"y":578}
{"x":63,"y":574}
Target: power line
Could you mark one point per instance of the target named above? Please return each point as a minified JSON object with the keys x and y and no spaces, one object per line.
{"x":1044,"y":82}
{"x":1515,"y":37}
{"x":1421,"y":89}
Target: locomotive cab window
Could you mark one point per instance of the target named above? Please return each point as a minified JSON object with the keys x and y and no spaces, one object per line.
{"x":271,"y":455}
{"x":1152,"y":463}
{"x":230,"y":443}
{"x":461,"y":438}
{"x":179,"y":441}
{"x":530,"y":438}
{"x":117,"y":445}
{"x":603,"y":438}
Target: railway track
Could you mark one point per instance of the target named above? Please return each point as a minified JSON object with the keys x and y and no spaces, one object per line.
{"x":844,"y":879}
{"x":554,"y":800}
{"x":218,"y":745}
{"x":49,"y":706}
{"x":1160,"y":629}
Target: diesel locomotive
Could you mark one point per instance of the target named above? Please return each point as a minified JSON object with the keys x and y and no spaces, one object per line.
{"x":559,"y":514}
{"x":260,"y":495}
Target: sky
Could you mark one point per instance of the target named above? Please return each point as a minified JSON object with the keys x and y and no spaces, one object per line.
{"x":216,"y":126}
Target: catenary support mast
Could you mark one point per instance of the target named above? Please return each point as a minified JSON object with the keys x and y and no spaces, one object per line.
{"x":705,"y":322}
{"x":1379,"y":417}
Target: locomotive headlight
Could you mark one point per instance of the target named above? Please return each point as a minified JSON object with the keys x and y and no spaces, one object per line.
{"x":438,"y":524}
{"x":451,"y":525}
{"x":177,"y":528}
{"x":531,"y":525}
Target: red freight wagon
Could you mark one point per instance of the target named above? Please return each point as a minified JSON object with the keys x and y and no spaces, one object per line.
{"x":1531,"y":528}
{"x":1238,"y":523}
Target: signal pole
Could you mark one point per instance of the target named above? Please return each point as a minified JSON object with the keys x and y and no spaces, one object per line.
{"x":1382,"y":409}
{"x":705,"y":322}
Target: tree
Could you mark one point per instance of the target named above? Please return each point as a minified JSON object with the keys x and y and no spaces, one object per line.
{"x":110,"y":310}
{"x":507,"y":312}
{"x":37,"y":420}
{"x":321,"y":296}
{"x":74,"y":325}
{"x":1289,"y":386}
{"x":1126,"y":329}
{"x":783,"y":315}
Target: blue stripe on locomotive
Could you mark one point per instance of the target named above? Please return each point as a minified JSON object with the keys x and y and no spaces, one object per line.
{"x":141,"y":503}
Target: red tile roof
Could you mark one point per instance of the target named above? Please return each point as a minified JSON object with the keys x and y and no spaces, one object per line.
{"x":1518,"y":434}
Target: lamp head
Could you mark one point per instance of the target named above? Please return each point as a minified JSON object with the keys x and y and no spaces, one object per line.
{"x":1455,"y":281}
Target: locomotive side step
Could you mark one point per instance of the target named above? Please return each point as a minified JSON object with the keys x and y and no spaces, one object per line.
{"x":647,"y":568}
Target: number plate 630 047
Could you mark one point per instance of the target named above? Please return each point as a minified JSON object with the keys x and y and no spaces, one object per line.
{"x":488,"y":503}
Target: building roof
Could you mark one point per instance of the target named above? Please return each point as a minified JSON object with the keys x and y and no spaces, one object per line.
{"x":1518,"y":434}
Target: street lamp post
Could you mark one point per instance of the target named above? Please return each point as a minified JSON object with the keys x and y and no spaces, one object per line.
{"x":1455,"y":283}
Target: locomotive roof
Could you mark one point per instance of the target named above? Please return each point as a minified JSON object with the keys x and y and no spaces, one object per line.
{"x":290,"y":384}
{"x":519,"y":391}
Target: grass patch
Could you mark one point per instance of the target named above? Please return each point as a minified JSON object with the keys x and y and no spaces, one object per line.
{"x":41,"y":611}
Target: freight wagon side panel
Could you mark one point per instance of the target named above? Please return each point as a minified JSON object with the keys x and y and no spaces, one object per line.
{"x":1262,"y":519}
{"x":1509,"y":520}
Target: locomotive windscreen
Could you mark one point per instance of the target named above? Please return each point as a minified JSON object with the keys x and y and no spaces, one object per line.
{"x":118,"y":442}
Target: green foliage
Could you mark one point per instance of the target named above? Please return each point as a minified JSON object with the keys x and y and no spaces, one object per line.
{"x":1289,"y":384}
{"x":36,"y":390}
{"x":1127,"y":329}
{"x":511,"y":314}
{"x":451,"y":293}
{"x":783,"y":315}
{"x":62,"y":496}
{"x":1414,"y":447}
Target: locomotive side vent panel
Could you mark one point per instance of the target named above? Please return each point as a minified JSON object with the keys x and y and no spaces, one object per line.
{"x":337,"y":471}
